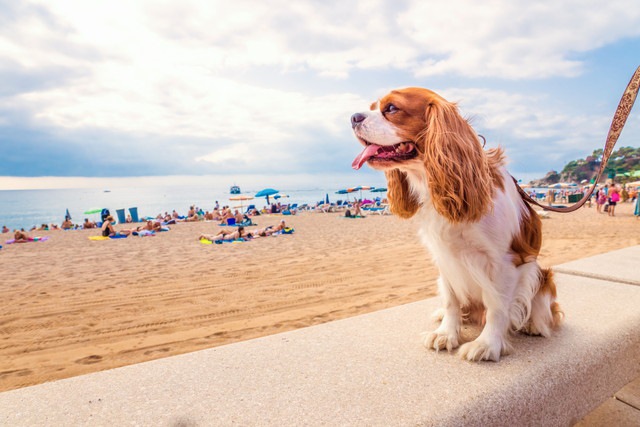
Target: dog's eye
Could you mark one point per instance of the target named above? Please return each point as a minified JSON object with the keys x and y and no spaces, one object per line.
{"x":390,"y":108}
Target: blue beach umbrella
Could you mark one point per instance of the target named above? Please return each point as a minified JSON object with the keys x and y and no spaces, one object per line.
{"x":379,"y":190}
{"x":67,"y":215}
{"x":326,"y":198}
{"x":266,"y":193}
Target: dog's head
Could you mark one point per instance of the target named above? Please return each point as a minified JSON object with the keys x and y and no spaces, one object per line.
{"x":417,"y":130}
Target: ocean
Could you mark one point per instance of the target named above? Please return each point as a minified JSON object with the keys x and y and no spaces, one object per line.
{"x":26,"y":208}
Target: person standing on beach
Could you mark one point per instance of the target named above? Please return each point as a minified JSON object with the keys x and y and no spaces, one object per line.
{"x":551,"y":196}
{"x":614,"y":198}
{"x":601,"y":199}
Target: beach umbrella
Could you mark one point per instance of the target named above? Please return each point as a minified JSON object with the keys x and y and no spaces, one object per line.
{"x":67,"y":215}
{"x":347,"y":191}
{"x":277,"y":196}
{"x":562,"y":185}
{"x":362,"y":188}
{"x":379,"y":190}
{"x":93,"y":211}
{"x":241,"y":198}
{"x":266,"y":193}
{"x":326,"y":198}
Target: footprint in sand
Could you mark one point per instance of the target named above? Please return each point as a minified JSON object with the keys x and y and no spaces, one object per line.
{"x":16,"y":373}
{"x":89,"y":360}
{"x":157,"y":350}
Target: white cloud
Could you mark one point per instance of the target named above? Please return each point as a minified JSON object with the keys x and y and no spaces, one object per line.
{"x":533,"y":129}
{"x":515,"y":39}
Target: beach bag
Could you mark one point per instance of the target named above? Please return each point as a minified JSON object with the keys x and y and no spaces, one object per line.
{"x":606,"y":207}
{"x":615,"y":197}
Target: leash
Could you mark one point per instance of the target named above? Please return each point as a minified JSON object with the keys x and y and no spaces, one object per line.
{"x":619,"y":119}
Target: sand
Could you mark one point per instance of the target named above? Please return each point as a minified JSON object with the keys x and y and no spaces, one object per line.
{"x":71,"y":306}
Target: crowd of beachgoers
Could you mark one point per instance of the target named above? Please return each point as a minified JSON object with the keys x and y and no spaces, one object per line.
{"x":605,"y":197}
{"x":236,"y":222}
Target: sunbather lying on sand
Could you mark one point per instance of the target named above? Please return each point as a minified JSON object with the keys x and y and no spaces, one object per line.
{"x":21,"y":237}
{"x":227,"y":235}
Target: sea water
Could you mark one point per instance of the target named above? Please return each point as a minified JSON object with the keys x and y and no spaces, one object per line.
{"x":28,"y":208}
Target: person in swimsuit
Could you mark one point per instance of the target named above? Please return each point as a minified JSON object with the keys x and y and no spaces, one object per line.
{"x":240,"y":233}
{"x":109,"y":231}
{"x":21,"y":237}
{"x":614,"y":198}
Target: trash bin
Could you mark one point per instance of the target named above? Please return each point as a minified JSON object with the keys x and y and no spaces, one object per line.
{"x":134,"y":214}
{"x":121,"y":218}
{"x":574,"y":198}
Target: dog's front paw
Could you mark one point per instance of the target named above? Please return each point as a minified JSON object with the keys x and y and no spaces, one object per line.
{"x":441,"y":339}
{"x":483,"y":350}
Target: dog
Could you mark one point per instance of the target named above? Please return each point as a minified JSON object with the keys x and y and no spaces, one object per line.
{"x":483,"y":237}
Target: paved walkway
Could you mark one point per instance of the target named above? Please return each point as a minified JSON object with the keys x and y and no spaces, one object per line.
{"x":372,"y":370}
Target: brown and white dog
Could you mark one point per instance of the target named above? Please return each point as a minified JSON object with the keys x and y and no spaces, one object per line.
{"x":483,"y":237}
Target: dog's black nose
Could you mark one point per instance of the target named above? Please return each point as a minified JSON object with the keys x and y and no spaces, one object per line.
{"x":357,"y":118}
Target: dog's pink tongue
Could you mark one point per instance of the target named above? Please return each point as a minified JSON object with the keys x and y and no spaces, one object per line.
{"x":368,"y":152}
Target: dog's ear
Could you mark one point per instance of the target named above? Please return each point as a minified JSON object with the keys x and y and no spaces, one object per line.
{"x":401,"y":200}
{"x":458,"y":170}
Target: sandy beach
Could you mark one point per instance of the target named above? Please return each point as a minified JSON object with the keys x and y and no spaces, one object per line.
{"x":71,"y":306}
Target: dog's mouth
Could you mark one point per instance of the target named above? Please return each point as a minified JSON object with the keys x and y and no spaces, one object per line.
{"x":384,"y":153}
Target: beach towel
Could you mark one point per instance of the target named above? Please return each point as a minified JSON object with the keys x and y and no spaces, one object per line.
{"x":117,"y":236}
{"x":31,"y":239}
{"x":287,"y":230}
{"x":219,"y":242}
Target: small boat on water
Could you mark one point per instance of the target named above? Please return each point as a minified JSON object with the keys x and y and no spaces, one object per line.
{"x":234,"y":189}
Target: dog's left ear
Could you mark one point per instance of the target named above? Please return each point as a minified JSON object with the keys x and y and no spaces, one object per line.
{"x":402,"y":201}
{"x":458,"y":171}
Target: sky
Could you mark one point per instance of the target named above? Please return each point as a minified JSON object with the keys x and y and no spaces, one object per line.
{"x":93,"y":90}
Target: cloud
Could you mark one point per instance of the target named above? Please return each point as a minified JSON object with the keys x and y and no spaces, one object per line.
{"x":160,"y":88}
{"x":536,"y":130}
{"x":514,"y":39}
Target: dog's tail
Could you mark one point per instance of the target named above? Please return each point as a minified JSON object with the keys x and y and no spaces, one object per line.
{"x":546,"y":313}
{"x":548,"y":286}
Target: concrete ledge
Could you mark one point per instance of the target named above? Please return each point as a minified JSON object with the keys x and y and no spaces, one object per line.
{"x":617,"y":266}
{"x":367,"y":370}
